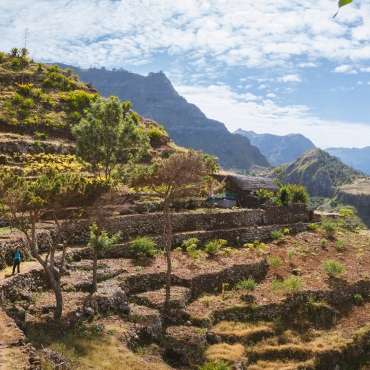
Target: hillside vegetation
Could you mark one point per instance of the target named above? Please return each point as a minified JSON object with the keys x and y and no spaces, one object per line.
{"x":39,"y":106}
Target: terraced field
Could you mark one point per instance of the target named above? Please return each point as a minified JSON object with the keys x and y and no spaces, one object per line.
{"x":257,"y":304}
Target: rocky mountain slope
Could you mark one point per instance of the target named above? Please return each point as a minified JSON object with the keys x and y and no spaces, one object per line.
{"x":153,"y":96}
{"x":354,"y":157}
{"x":330,"y":183}
{"x":39,"y":104}
{"x":278,"y":149}
{"x":319,"y":172}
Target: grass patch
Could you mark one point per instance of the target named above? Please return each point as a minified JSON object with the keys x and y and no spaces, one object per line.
{"x":224,"y":351}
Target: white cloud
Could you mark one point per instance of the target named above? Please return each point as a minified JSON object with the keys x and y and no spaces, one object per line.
{"x":359,"y":83}
{"x":263,"y":33}
{"x":219,"y":102}
{"x":307,"y":65}
{"x":271,"y":95}
{"x":289,"y":78}
{"x":262,"y":87}
{"x":367,"y":69}
{"x":345,"y":69}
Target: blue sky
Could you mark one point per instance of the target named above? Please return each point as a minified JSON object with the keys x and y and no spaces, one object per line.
{"x":277,"y":66}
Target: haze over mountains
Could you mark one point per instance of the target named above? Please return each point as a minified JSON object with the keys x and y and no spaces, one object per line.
{"x":154,"y":97}
{"x":278,"y":149}
{"x":355,"y":157}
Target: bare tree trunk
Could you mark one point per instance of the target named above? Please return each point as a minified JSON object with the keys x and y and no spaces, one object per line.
{"x":95,"y":268}
{"x":166,"y":238}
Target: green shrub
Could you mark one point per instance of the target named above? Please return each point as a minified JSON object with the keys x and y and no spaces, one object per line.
{"x":191,"y":246}
{"x":275,"y":261}
{"x":278,"y":325}
{"x":323,"y":242}
{"x":339,"y":244}
{"x":276,"y":235}
{"x":191,"y":203}
{"x":359,"y":300}
{"x":246,"y":284}
{"x":329,"y":227}
{"x":222,"y":365}
{"x":28,"y":103}
{"x":297,"y":193}
{"x":213,"y":247}
{"x":143,"y":247}
{"x":37,"y":92}
{"x":283,"y":195}
{"x":313,"y":226}
{"x":333,"y":268}
{"x":155,"y":134}
{"x":276,"y":286}
{"x":2,"y":57}
{"x":17,"y":99}
{"x":291,"y":252}
{"x":293,"y":284}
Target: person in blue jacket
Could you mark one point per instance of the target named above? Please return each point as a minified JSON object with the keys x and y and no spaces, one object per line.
{"x":17,"y":254}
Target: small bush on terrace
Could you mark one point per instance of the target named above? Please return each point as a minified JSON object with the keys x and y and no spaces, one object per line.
{"x":246,"y":284}
{"x":143,"y":247}
{"x":213,"y":247}
{"x":333,"y":268}
{"x":276,"y":235}
{"x":329,"y":227}
{"x":313,"y":226}
{"x":191,"y":247}
{"x":339,"y":245}
{"x":359,"y":300}
{"x":293,"y":284}
{"x":212,"y":366}
{"x":274,"y":261}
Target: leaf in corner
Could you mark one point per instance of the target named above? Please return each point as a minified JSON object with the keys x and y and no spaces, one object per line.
{"x":342,"y":3}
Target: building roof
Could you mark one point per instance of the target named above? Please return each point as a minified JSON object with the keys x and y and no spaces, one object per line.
{"x":250,"y":183}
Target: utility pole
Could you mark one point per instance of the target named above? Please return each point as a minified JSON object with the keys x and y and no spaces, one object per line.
{"x":26,"y":35}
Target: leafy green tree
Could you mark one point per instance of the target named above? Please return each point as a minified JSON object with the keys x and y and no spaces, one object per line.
{"x":23,"y":202}
{"x":100,"y":242}
{"x":108,"y":137}
{"x":173,"y":179}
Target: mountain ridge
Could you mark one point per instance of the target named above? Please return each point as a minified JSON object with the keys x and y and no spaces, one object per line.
{"x":154,"y":97}
{"x":278,"y":149}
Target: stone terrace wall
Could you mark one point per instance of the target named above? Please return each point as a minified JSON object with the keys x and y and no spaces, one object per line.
{"x":152,"y":223}
{"x":245,"y":224}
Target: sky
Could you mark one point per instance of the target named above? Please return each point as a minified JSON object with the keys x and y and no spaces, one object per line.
{"x":271,"y":66}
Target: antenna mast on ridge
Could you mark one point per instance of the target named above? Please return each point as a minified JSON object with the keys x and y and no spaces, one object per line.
{"x":26,"y":34}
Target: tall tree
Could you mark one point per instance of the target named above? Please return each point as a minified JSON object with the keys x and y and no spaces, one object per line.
{"x":180,"y":176}
{"x":108,"y":137}
{"x":23,"y":203}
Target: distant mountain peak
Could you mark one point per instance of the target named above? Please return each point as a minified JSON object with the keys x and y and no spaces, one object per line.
{"x":278,"y":149}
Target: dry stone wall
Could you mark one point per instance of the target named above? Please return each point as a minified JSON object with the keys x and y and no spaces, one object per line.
{"x":243,"y":225}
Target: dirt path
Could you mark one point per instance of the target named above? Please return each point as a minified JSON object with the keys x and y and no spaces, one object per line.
{"x":25,"y":266}
{"x":13,"y":354}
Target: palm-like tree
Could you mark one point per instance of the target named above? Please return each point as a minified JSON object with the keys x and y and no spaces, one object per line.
{"x":14,"y":52}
